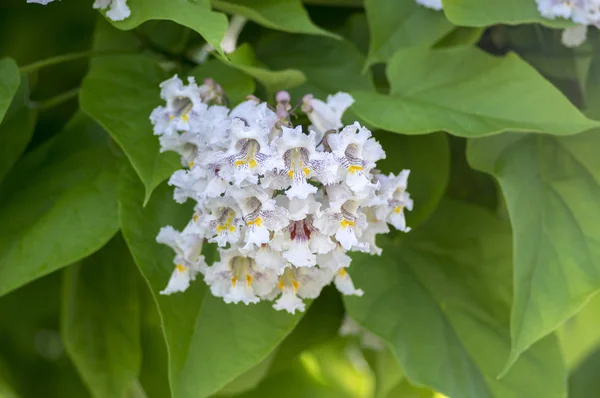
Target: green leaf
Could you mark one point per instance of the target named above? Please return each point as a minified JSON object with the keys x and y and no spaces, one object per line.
{"x":236,"y":84}
{"x":120,"y":93}
{"x":154,"y":373}
{"x":338,"y":66}
{"x":244,"y":59}
{"x":100,"y":322}
{"x":428,"y":159}
{"x":250,"y":379}
{"x":399,"y":24}
{"x":583,"y":381}
{"x":286,"y":15}
{"x":579,"y":336}
{"x":407,"y":390}
{"x":451,"y":90}
{"x":493,"y":12}
{"x":9,"y":83}
{"x":209,"y":342}
{"x":387,"y":371}
{"x":196,"y":15}
{"x":551,"y":186}
{"x":460,"y":37}
{"x":58,"y":205}
{"x":16,"y":129}
{"x":326,"y":311}
{"x":440,"y":298}
{"x":297,"y":381}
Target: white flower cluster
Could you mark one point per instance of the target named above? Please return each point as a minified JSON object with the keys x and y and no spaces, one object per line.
{"x":582,"y":12}
{"x":117,"y":9}
{"x":434,"y":4}
{"x":282,"y":205}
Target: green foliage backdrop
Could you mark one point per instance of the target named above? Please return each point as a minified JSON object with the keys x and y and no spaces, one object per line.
{"x":492,"y":293}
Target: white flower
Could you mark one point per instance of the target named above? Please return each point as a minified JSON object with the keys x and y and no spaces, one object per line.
{"x":357,"y":153}
{"x":394,"y":199}
{"x":583,"y":12}
{"x":187,"y":246}
{"x":336,"y":262}
{"x":255,"y":114}
{"x":374,"y":227}
{"x":181,"y":276}
{"x":555,"y":8}
{"x":42,"y":2}
{"x":298,"y":283}
{"x":184,"y":108}
{"x":296,"y":159}
{"x":575,"y":36}
{"x":261,"y":214}
{"x":300,"y":242}
{"x":247,"y":153}
{"x":434,"y":4}
{"x":284,"y":247}
{"x":237,"y":278}
{"x":343,"y":218}
{"x":267,"y":257}
{"x":326,"y":116}
{"x":223,"y":221}
{"x":344,"y":284}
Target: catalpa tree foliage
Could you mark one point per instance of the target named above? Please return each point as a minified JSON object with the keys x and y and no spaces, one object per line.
{"x":299,"y":198}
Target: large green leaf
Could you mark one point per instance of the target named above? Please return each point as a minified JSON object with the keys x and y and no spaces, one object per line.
{"x":196,"y":15}
{"x":399,"y":24}
{"x":287,"y":15}
{"x":16,"y":129}
{"x":551,"y":186}
{"x":100,"y":321}
{"x":236,"y":84}
{"x":120,"y":93}
{"x":209,"y":342}
{"x":338,"y":66}
{"x":580,"y":336}
{"x":428,"y":159}
{"x":469,"y":93}
{"x":244,"y":59}
{"x":440,"y":298}
{"x":583,"y":380}
{"x":295,"y":381}
{"x":9,"y":83}
{"x":492,"y":12}
{"x":58,"y":205}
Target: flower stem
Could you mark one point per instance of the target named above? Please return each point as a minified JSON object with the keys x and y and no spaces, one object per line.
{"x":69,"y":57}
{"x":57,"y":100}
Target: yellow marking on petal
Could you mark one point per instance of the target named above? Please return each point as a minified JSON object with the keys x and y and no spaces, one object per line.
{"x":171,"y":117}
{"x":219,"y":228}
{"x":196,"y":216}
{"x":291,"y":173}
{"x":249,"y":279}
{"x":191,"y":164}
{"x":345,"y":223}
{"x":258,"y":222}
{"x":296,"y":286}
{"x":239,"y":163}
{"x":281,"y":285}
{"x":354,"y":169}
{"x":342,"y":272}
{"x":184,"y":117}
{"x":253,"y":164}
{"x":398,"y":209}
{"x":306,"y":171}
{"x":231,"y":229}
{"x":180,"y":268}
{"x":234,"y":281}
